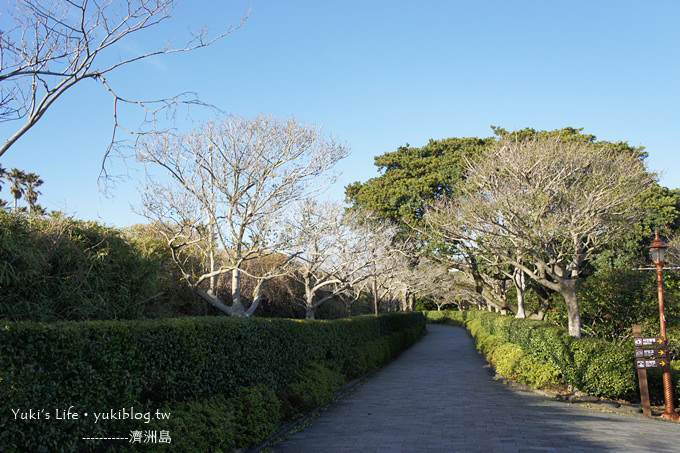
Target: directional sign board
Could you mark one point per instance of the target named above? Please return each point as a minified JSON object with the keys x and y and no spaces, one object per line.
{"x":655,"y":353}
{"x":640,"y":342}
{"x":643,"y":364}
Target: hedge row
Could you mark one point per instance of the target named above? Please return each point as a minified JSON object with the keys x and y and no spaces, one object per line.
{"x":187,"y":366}
{"x":541,"y":354}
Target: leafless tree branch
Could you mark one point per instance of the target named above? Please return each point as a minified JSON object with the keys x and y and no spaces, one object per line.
{"x":54,"y":45}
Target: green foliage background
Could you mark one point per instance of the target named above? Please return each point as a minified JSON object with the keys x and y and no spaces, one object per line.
{"x":57,"y":268}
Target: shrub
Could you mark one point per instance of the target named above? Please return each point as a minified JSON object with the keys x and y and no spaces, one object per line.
{"x":313,"y":386}
{"x":156,"y":363}
{"x":506,"y":360}
{"x":451,"y":317}
{"x":202,"y":425}
{"x":591,"y":365}
{"x":57,"y":268}
{"x":257,"y":415}
{"x":610,"y":372}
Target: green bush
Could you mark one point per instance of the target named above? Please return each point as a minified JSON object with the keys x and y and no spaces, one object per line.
{"x":591,"y":365}
{"x":601,"y":368}
{"x":149,"y":364}
{"x":451,"y":317}
{"x":257,"y":415}
{"x":57,"y":268}
{"x":206,"y":425}
{"x":610,"y":372}
{"x":312,"y":386}
{"x":512,"y":362}
{"x":506,"y":360}
{"x":365,"y":358}
{"x":216,"y":424}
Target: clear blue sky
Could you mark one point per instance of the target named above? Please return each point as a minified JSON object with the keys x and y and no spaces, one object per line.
{"x":380,"y":74}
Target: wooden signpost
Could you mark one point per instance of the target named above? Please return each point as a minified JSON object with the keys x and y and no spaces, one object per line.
{"x":650,"y":352}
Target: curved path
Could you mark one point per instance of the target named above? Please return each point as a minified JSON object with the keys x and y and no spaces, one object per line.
{"x":438,"y":396}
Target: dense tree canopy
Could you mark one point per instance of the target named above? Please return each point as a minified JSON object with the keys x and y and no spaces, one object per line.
{"x":411,"y":178}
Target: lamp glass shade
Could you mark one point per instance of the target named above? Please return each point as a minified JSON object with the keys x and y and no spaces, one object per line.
{"x":657,"y":249}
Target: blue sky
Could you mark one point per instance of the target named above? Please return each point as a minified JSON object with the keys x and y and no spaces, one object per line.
{"x":380,"y":74}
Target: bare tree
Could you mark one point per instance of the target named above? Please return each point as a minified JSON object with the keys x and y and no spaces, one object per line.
{"x":53,"y":45}
{"x":395,"y":279}
{"x":333,"y":254}
{"x":544,"y":206}
{"x":672,"y":257}
{"x":438,"y":283}
{"x":226,"y":186}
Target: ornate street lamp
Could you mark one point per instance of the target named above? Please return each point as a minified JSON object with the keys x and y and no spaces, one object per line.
{"x":658,"y":249}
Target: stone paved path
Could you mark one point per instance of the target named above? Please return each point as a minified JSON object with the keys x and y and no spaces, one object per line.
{"x":437,"y":396}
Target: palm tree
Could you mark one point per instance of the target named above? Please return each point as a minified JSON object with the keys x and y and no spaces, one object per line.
{"x":32,"y":181}
{"x":3,"y":172}
{"x":18,"y":179}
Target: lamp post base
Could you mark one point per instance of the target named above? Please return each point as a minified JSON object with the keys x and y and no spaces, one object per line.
{"x":671,"y":416}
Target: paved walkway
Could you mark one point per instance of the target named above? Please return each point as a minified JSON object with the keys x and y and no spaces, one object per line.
{"x":437,"y":396}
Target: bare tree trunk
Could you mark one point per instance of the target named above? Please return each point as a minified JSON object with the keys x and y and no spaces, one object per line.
{"x":213,"y":300}
{"x":543,"y":302}
{"x":310,"y":309}
{"x":213,"y":245}
{"x":568,"y":291}
{"x":375,"y":294}
{"x":519,"y":279}
{"x":404,"y":300}
{"x":237,"y":306}
{"x":257,"y":296}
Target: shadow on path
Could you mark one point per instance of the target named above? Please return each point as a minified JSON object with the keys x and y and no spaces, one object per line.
{"x":438,"y":396}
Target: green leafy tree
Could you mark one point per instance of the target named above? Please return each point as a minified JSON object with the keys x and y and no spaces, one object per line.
{"x":662,"y":214}
{"x":614,"y":300}
{"x":412,"y":177}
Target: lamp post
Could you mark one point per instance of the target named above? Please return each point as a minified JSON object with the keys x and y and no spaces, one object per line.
{"x":658,"y":249}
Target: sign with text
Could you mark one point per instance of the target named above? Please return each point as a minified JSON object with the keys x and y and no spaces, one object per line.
{"x":643,"y":364}
{"x":655,"y":353}
{"x":640,"y":342}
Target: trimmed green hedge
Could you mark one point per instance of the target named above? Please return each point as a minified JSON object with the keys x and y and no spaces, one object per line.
{"x":451,"y":317}
{"x":187,"y":366}
{"x":540,"y":354}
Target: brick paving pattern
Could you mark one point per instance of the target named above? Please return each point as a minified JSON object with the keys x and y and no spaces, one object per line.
{"x":438,"y":396}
